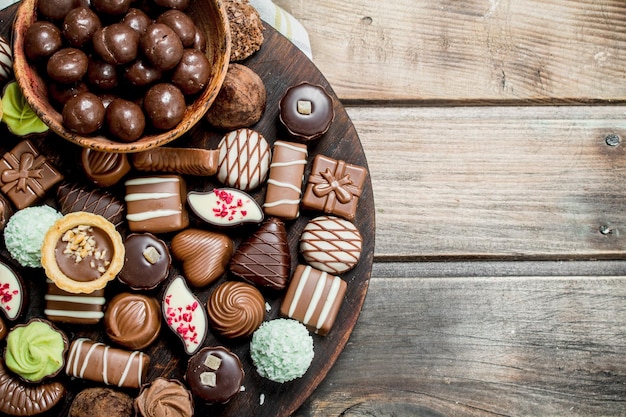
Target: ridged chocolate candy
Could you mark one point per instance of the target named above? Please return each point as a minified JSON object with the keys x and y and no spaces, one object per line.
{"x":264,"y":258}
{"x":73,"y":198}
{"x":186,"y":161}
{"x":104,"y":168}
{"x":331,"y":244}
{"x":236,"y":309}
{"x":164,"y":397}
{"x":133,"y":320}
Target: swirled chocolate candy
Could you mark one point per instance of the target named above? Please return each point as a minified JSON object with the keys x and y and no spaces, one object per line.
{"x":185,"y":315}
{"x":133,"y":320}
{"x":104,"y":168}
{"x":306,"y":110}
{"x":185,"y":161}
{"x":20,"y":399}
{"x":204,"y":255}
{"x":26,"y":175}
{"x":244,"y":159}
{"x":331,"y":244}
{"x":66,"y":307}
{"x":164,"y":397}
{"x":146,"y":263}
{"x":284,"y":186}
{"x":313,"y":298}
{"x":72,"y":198}
{"x":12,"y":292}
{"x":263,"y":258}
{"x":225,"y":207}
{"x":95,"y":361}
{"x":214,"y":375}
{"x":236,"y":309}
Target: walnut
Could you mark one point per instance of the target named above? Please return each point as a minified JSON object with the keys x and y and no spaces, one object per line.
{"x":241,"y":100}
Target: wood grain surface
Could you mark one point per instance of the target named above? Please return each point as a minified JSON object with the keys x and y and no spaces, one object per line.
{"x":497,"y":287}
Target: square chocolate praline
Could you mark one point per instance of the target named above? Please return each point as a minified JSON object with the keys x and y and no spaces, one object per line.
{"x":26,"y":175}
{"x":334,"y":187}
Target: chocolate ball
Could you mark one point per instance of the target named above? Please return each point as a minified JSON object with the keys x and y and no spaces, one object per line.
{"x":116,"y":44}
{"x":141,"y":74}
{"x":67,"y":65}
{"x":192,"y":72}
{"x":41,"y":40}
{"x":181,"y":24}
{"x":199,"y":40}
{"x":164,"y":105}
{"x":54,"y":9}
{"x":101,"y":75}
{"x":161,"y":46}
{"x":125,"y":120}
{"x":137,"y":20}
{"x":111,"y":7}
{"x":60,"y":93}
{"x":79,"y":26}
{"x":83,"y":114}
{"x":173,"y":4}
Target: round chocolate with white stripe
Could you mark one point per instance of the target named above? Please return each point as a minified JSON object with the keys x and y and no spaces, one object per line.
{"x":244,"y":159}
{"x":331,"y":244}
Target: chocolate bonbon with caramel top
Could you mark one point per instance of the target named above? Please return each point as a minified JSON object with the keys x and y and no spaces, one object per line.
{"x":236,"y":309}
{"x":284,"y":186}
{"x":146,"y":262}
{"x":306,"y":110}
{"x":214,"y":375}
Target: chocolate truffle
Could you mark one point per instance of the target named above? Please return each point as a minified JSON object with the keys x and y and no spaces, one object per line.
{"x":137,"y":19}
{"x":141,"y":73}
{"x":146,"y":263}
{"x":83,"y":113}
{"x":111,"y":7}
{"x":164,"y":105}
{"x":162,"y":46}
{"x":79,"y":26}
{"x":125,"y":120}
{"x":101,"y":402}
{"x":54,"y":9}
{"x":101,"y":74}
{"x":116,"y":44}
{"x":246,"y":29}
{"x":214,"y":375}
{"x":164,"y":398}
{"x":60,"y":93}
{"x":67,"y":65}
{"x":236,"y":309}
{"x":306,"y":110}
{"x":41,"y":40}
{"x":133,"y":320}
{"x":174,"y":4}
{"x":192,"y":73}
{"x":241,"y":100}
{"x":181,"y":24}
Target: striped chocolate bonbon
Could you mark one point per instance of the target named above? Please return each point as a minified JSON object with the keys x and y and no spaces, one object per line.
{"x":284,"y":186}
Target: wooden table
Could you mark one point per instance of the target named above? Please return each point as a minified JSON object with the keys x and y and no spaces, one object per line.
{"x":495,"y":133}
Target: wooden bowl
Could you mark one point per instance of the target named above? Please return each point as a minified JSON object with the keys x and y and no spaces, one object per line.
{"x":209,"y":15}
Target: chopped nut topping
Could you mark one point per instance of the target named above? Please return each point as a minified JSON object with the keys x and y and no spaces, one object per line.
{"x":208,"y":378}
{"x":304,"y":107}
{"x":151,"y":254}
{"x":80,"y":244}
{"x":213,"y":362}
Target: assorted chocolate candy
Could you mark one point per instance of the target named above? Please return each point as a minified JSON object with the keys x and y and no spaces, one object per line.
{"x":140,"y":219}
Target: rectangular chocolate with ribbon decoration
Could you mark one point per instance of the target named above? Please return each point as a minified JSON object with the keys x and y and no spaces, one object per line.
{"x":334,"y":187}
{"x":26,"y":175}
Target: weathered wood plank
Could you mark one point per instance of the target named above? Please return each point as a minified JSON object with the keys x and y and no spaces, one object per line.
{"x":489,"y":182}
{"x":476,"y":50}
{"x":482,"y":347}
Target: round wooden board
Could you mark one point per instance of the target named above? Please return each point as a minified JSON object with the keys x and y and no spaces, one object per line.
{"x":280,"y":65}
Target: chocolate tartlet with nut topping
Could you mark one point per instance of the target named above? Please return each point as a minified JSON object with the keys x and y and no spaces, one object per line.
{"x":82,"y":252}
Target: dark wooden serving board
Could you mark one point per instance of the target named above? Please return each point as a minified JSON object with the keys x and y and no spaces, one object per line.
{"x":280,"y":65}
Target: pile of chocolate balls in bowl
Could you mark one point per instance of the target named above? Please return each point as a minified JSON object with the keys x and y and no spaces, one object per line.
{"x":120,"y":75}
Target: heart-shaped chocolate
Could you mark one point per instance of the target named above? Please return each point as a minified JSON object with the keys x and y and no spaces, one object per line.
{"x":204,"y":255}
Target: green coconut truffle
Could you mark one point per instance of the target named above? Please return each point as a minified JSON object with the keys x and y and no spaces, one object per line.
{"x":17,"y":113}
{"x":35,"y":351}
{"x":24,"y":233}
{"x":281,"y":350}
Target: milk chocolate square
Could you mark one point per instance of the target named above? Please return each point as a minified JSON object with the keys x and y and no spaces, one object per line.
{"x":314,"y":298}
{"x":156,"y":204}
{"x":25,"y":175}
{"x":334,"y":187}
